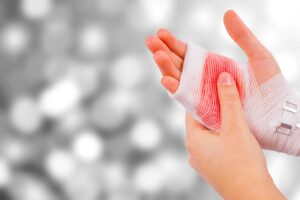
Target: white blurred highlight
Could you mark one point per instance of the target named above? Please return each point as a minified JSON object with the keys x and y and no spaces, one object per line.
{"x":36,"y":9}
{"x":60,"y":164}
{"x":269,"y":37}
{"x":146,"y":134}
{"x":199,"y":20}
{"x":31,"y":188}
{"x":111,"y":8}
{"x":167,"y":171}
{"x":153,"y":13}
{"x":15,"y":38}
{"x":5,"y":173}
{"x":288,"y":65}
{"x":25,"y":115}
{"x":60,"y":97}
{"x":175,"y":119}
{"x":87,"y":184}
{"x":278,"y":166}
{"x":179,"y":175}
{"x":88,"y":146}
{"x":15,"y":151}
{"x":296,"y":195}
{"x":92,"y":40}
{"x":283,"y":14}
{"x":116,"y":176}
{"x":127,"y":71}
{"x":87,"y":76}
{"x":149,"y":178}
{"x":157,"y":12}
{"x":73,"y":120}
{"x":112,"y":109}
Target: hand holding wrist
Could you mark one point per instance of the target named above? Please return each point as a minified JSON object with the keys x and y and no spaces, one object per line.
{"x":230,"y":159}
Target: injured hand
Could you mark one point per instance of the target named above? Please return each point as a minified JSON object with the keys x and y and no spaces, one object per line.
{"x":190,"y":73}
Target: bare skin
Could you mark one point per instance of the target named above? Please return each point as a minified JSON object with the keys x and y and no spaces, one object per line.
{"x":229,"y":159}
{"x":169,"y":52}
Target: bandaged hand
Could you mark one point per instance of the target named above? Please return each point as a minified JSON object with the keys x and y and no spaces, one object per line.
{"x":190,"y":72}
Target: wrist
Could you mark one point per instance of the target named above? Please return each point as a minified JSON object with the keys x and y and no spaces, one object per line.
{"x":260,"y":188}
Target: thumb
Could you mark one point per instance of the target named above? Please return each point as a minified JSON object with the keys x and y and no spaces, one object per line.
{"x":242,"y":35}
{"x":230,"y":104}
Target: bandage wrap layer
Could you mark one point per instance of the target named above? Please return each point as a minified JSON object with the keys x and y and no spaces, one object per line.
{"x":272,"y":109}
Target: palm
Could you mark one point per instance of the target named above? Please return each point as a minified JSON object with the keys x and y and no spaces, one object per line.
{"x":264,"y":69}
{"x":169,"y":53}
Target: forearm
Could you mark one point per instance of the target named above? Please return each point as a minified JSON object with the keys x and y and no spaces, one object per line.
{"x":258,"y":190}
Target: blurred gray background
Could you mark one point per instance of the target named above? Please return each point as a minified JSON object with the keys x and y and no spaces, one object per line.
{"x":82,"y":112}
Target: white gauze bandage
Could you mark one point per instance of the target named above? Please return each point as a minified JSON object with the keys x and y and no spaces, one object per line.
{"x":272,"y":109}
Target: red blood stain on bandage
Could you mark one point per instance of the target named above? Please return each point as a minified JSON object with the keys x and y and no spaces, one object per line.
{"x":209,"y":109}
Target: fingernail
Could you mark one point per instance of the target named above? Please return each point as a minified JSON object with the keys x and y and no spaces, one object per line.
{"x":162,"y":32}
{"x":225,"y":79}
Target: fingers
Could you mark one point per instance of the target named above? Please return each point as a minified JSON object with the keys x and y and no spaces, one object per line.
{"x":154,"y":44}
{"x":166,"y":65}
{"x":241,"y":34}
{"x":170,"y":83}
{"x":230,"y":104}
{"x":174,"y":44}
